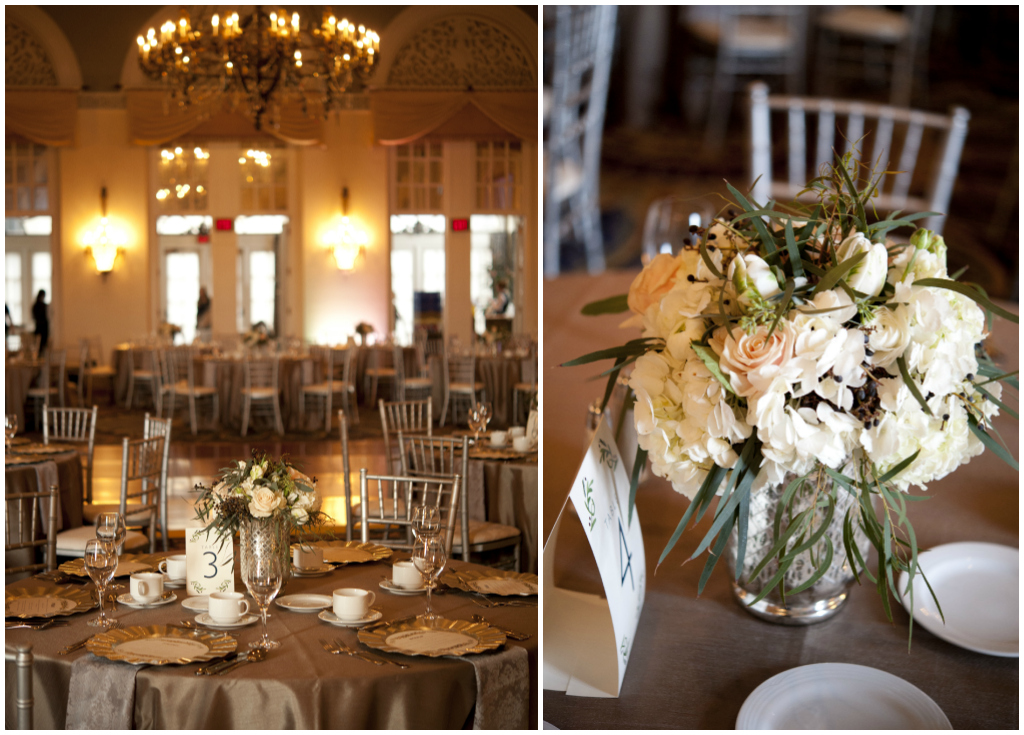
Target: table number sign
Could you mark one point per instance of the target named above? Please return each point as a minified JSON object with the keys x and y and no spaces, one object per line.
{"x":587,"y":638}
{"x":209,"y":562}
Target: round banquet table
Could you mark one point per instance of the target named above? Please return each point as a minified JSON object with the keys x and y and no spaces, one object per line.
{"x":65,"y":469}
{"x":299,"y":686}
{"x":695,"y":661}
{"x":18,"y":377}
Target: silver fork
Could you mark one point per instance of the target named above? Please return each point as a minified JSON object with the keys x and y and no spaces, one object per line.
{"x":338,"y":648}
{"x":378,"y":660}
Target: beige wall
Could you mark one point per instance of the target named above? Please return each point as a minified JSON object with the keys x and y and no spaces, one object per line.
{"x":114,"y":306}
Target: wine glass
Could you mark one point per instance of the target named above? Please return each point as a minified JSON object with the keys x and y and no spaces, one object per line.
{"x":110,"y":527}
{"x":476,"y":422}
{"x":10,"y":427}
{"x":429,"y":558}
{"x":100,"y":563}
{"x":486,"y":414}
{"x":263,"y":581}
{"x":426,"y":521}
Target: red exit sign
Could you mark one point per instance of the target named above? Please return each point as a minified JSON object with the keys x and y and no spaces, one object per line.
{"x":460,"y":224}
{"x":224,"y":224}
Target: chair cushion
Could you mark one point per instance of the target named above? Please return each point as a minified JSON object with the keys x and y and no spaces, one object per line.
{"x":258,"y":392}
{"x":418,"y":383}
{"x":525,"y":387}
{"x":101,"y":370}
{"x":485,"y":532}
{"x":334,"y":386}
{"x":42,"y":391}
{"x":877,"y":24}
{"x":91,"y":512}
{"x":72,"y":541}
{"x":381,"y":372}
{"x":465,"y":387}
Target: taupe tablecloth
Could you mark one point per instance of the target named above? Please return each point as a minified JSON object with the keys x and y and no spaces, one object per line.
{"x":18,"y":377}
{"x":695,"y":661}
{"x":24,"y":478}
{"x":299,"y":686}
{"x":510,"y":497}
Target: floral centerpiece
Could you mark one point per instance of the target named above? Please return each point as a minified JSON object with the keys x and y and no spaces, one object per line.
{"x":258,"y":336}
{"x":363,"y":329}
{"x":168,"y":330}
{"x":813,"y":374}
{"x":264,"y":500}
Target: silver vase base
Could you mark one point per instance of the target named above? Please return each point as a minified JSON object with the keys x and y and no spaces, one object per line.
{"x":790,"y":614}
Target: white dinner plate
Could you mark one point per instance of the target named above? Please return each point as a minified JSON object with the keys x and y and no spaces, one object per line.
{"x":197,"y":603}
{"x":977,"y":586}
{"x":205,"y":619}
{"x":304,"y":603}
{"x":839,"y":697}
{"x":387,"y":584}
{"x":128,"y":601}
{"x":329,"y":617}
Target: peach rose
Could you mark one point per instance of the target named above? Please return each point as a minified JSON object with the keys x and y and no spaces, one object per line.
{"x":264,"y":502}
{"x":653,"y":282}
{"x":753,"y":361}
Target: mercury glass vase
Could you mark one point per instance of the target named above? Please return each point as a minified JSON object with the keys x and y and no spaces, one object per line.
{"x":260,"y":537}
{"x":827,"y":595}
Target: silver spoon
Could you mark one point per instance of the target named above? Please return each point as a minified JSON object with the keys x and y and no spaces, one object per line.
{"x":254,"y":656}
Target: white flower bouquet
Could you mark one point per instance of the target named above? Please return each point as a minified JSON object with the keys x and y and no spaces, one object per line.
{"x":798,"y":347}
{"x":261,"y":488}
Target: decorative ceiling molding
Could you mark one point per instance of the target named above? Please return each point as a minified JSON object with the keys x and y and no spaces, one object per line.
{"x":461,"y":53}
{"x":101,"y":101}
{"x":26,"y":61}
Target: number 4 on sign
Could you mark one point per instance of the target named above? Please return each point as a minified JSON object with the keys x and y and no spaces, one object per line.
{"x":625,"y":559}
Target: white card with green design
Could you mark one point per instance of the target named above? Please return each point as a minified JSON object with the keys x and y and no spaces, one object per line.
{"x":587,"y":637}
{"x":209,"y":564}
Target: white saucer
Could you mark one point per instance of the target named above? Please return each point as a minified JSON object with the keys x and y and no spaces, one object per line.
{"x":387,"y":584}
{"x":839,"y":697}
{"x":313,"y":571}
{"x":205,"y":619}
{"x":329,"y":617}
{"x":173,"y":583}
{"x":304,"y":603}
{"x":196,"y":603}
{"x":977,"y":587}
{"x":128,"y":601}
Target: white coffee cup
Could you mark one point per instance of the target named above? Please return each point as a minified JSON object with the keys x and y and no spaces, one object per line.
{"x":498,"y":439}
{"x":227,"y":607}
{"x":521,"y":444}
{"x":516,"y":431}
{"x":352,"y":604}
{"x":404,"y":574}
{"x":173,"y":566}
{"x":146,"y":587}
{"x":308,"y":557}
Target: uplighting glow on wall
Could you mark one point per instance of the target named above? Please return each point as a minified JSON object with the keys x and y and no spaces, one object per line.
{"x":105,"y":241}
{"x":346,"y":242}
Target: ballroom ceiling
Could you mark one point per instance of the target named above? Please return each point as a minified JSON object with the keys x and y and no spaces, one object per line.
{"x":101,"y":34}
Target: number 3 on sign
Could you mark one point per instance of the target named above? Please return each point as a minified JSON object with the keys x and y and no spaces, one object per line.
{"x":209,"y":563}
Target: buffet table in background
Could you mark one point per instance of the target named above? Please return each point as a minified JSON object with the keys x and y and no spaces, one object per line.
{"x":695,"y":661}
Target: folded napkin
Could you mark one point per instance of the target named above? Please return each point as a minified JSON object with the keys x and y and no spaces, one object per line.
{"x":101,"y":695}
{"x":502,"y":689}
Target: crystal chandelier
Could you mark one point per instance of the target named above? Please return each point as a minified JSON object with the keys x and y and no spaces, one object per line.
{"x":262,"y":61}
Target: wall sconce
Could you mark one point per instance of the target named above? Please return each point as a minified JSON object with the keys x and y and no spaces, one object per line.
{"x":105,"y":242}
{"x":346,"y":242}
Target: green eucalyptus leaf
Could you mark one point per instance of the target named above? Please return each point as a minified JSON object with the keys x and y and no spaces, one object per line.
{"x":611,"y":305}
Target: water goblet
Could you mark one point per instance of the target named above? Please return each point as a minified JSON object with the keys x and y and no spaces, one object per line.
{"x":110,"y":527}
{"x":263,"y":581}
{"x":426,"y":521}
{"x":10,"y":427}
{"x":100,"y":563}
{"x":429,"y":558}
{"x":476,"y":422}
{"x":486,"y":414}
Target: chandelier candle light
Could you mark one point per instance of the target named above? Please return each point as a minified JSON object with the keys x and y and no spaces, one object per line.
{"x":810,"y":373}
{"x":262,"y":61}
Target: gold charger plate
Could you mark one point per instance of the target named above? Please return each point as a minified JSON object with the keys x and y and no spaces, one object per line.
{"x":353,"y":552}
{"x":159,"y":645}
{"x":16,"y":459}
{"x":438,"y":638}
{"x":47,"y":602}
{"x":485,"y":452}
{"x":492,"y":582}
{"x":126,"y":564}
